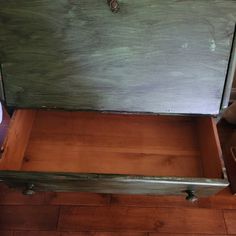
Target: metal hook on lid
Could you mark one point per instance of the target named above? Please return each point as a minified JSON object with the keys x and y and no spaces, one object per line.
{"x":114,"y":5}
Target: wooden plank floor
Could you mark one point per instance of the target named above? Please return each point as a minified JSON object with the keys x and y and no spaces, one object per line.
{"x":84,"y":214}
{"x":72,"y":214}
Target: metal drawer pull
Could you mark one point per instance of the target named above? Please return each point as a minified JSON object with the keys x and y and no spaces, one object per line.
{"x":114,"y":5}
{"x":29,"y":190}
{"x":191,"y":196}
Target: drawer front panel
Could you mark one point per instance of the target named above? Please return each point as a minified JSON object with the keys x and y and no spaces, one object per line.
{"x":152,"y":56}
{"x":119,"y":184}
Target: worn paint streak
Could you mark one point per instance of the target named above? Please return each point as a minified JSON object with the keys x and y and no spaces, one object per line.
{"x":79,"y":55}
{"x":212,"y":45}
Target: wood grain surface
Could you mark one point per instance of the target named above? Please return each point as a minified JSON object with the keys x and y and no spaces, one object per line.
{"x":141,"y":211}
{"x":141,"y":219}
{"x":230,"y":217}
{"x":31,"y":218}
{"x":6,"y":233}
{"x":17,"y":139}
{"x":54,"y":233}
{"x":152,"y":56}
{"x":86,"y":142}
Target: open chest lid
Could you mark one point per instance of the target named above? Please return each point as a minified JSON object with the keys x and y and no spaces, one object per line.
{"x":152,"y":56}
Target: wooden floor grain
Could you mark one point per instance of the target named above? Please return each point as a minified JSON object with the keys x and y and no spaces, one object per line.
{"x":55,"y":233}
{"x":71,"y":214}
{"x":84,"y":214}
{"x":29,"y":217}
{"x":230,"y":219}
{"x":141,"y":219}
{"x":37,"y":233}
{"x":6,"y":233}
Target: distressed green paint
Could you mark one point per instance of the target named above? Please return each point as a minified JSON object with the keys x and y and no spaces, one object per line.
{"x":152,"y":56}
{"x":122,"y":184}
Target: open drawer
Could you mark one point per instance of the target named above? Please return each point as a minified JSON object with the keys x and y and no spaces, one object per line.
{"x":112,"y":153}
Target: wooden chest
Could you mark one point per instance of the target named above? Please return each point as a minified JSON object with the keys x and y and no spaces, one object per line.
{"x":116,"y":102}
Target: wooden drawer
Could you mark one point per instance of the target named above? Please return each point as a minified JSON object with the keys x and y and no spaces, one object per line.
{"x":112,"y":153}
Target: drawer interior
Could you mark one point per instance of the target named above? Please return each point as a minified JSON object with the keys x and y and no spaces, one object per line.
{"x":90,"y":142}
